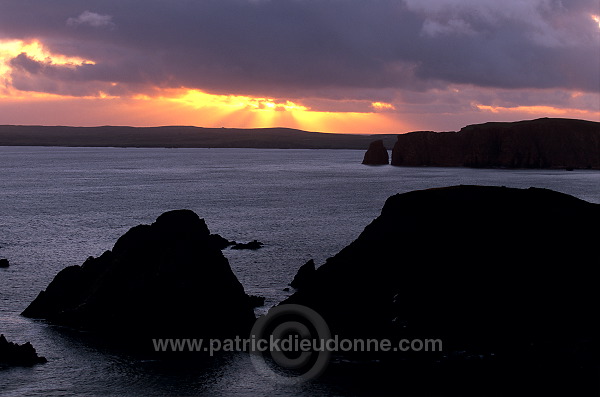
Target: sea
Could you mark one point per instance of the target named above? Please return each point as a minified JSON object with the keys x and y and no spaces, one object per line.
{"x":59,"y":206}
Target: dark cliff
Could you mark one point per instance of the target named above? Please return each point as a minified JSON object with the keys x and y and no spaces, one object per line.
{"x":542,"y":143}
{"x":488,"y":270}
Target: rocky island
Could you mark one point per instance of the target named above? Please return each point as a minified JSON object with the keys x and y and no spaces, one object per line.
{"x":500,"y":275}
{"x":541,"y":143}
{"x":377,"y":154}
{"x":168,"y":279}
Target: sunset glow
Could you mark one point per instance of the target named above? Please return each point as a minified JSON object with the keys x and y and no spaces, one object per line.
{"x":214,"y":110}
{"x":120,"y":70}
{"x":382,"y":106}
{"x":536,"y":110}
{"x":9,"y":49}
{"x":34,"y":50}
{"x":199,"y":99}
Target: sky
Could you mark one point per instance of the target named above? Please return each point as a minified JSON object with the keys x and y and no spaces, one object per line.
{"x":346,"y":66}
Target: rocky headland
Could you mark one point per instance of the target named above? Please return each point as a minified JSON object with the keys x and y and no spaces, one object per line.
{"x":168,"y":279}
{"x":493,"y":272}
{"x":541,"y":143}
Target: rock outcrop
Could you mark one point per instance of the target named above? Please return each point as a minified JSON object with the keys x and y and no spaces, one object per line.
{"x":377,"y":154}
{"x":485,"y":269}
{"x":13,"y":354}
{"x":304,"y":275}
{"x":4,"y":263}
{"x":252,"y":245}
{"x":168,"y":279}
{"x":223,"y":243}
{"x":220,"y":241}
{"x":541,"y":143}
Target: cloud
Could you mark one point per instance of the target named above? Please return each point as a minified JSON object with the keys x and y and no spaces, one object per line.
{"x":319,"y":51}
{"x":23,"y":62}
{"x":452,"y":26}
{"x":544,"y":22}
{"x":92,"y":19}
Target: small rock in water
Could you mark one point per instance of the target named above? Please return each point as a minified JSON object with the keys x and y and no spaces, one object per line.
{"x":13,"y":354}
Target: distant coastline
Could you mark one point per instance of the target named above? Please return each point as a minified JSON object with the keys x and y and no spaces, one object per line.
{"x":183,"y":137}
{"x":541,"y":143}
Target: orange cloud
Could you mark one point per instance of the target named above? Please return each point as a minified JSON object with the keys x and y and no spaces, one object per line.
{"x":188,"y":106}
{"x":35,"y":50}
{"x":540,"y":111}
{"x":382,"y":106}
{"x":170,"y":106}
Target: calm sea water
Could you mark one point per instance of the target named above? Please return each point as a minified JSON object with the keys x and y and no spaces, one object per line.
{"x":60,"y":205}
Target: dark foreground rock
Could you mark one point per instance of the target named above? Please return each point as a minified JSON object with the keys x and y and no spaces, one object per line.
{"x":168,"y":279}
{"x":490,"y":271}
{"x":541,"y":143}
{"x":304,"y":276}
{"x":377,"y":154}
{"x":4,"y":263}
{"x":13,"y":354}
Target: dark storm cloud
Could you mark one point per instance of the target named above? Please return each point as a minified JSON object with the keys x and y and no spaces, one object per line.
{"x":318,"y":48}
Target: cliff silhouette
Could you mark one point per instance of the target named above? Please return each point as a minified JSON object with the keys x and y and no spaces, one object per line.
{"x":541,"y":143}
{"x":503,"y":276}
{"x":169,"y":278}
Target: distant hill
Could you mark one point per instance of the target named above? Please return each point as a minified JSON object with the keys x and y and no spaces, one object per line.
{"x":541,"y":143}
{"x":183,"y":136}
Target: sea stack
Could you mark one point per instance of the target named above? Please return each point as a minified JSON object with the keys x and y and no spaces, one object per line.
{"x":168,"y":279}
{"x":377,"y":154}
{"x":4,"y":263}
